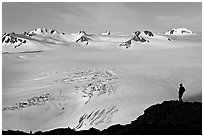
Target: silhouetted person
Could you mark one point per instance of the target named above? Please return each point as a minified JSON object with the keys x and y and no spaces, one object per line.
{"x":181,"y":91}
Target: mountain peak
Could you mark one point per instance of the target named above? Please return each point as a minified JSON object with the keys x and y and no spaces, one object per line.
{"x":179,"y":31}
{"x":43,"y":31}
{"x":11,"y":39}
{"x":82,"y":32}
{"x":106,"y":33}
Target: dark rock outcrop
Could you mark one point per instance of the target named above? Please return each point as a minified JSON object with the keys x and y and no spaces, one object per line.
{"x":137,"y":33}
{"x":82,"y":32}
{"x":84,"y":38}
{"x":168,"y":118}
{"x":149,"y":33}
{"x":172,"y":117}
{"x":52,"y":31}
{"x":137,"y":38}
{"x":126,"y":44}
{"x":10,"y":38}
{"x":172,"y":32}
{"x":27,"y":34}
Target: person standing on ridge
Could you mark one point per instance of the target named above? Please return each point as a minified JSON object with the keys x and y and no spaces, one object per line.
{"x":181,"y":91}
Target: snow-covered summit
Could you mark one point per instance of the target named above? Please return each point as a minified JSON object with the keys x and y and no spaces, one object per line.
{"x":23,"y":41}
{"x":43,"y":31}
{"x":106,"y":33}
{"x":179,"y":31}
{"x":82,"y":32}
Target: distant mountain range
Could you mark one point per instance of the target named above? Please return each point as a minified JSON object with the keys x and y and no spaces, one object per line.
{"x":13,"y":40}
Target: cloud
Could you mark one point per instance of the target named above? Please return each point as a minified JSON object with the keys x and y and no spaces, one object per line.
{"x":193,"y":22}
{"x":180,"y":19}
{"x":100,"y":15}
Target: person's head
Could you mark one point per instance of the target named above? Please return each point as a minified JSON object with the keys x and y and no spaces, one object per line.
{"x":181,"y":85}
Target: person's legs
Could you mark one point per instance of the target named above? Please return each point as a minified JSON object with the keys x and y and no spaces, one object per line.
{"x":180,"y":100}
{"x":180,"y":97}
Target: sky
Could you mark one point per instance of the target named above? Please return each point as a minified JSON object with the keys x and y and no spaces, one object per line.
{"x":97,"y":17}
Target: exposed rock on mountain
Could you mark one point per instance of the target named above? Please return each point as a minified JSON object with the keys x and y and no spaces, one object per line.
{"x":82,"y":32}
{"x":179,"y":31}
{"x":126,"y":44}
{"x":83,"y":39}
{"x":167,"y":118}
{"x":13,"y":40}
{"x":137,"y":33}
{"x":9,"y":38}
{"x":149,"y":33}
{"x":82,"y":36}
{"x":137,"y":37}
{"x":42,"y":35}
{"x":146,"y":32}
{"x":27,"y":34}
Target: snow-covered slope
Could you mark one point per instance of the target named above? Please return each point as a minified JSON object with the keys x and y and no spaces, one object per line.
{"x":47,"y":35}
{"x":68,"y":85}
{"x":13,"y":43}
{"x":41,"y":36}
{"x":34,"y":40}
{"x":76,"y":36}
{"x":179,"y":31}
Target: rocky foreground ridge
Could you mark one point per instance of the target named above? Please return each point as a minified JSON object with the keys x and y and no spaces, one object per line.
{"x":167,"y":118}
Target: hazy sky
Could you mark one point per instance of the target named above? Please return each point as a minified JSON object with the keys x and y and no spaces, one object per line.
{"x":98,"y":17}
